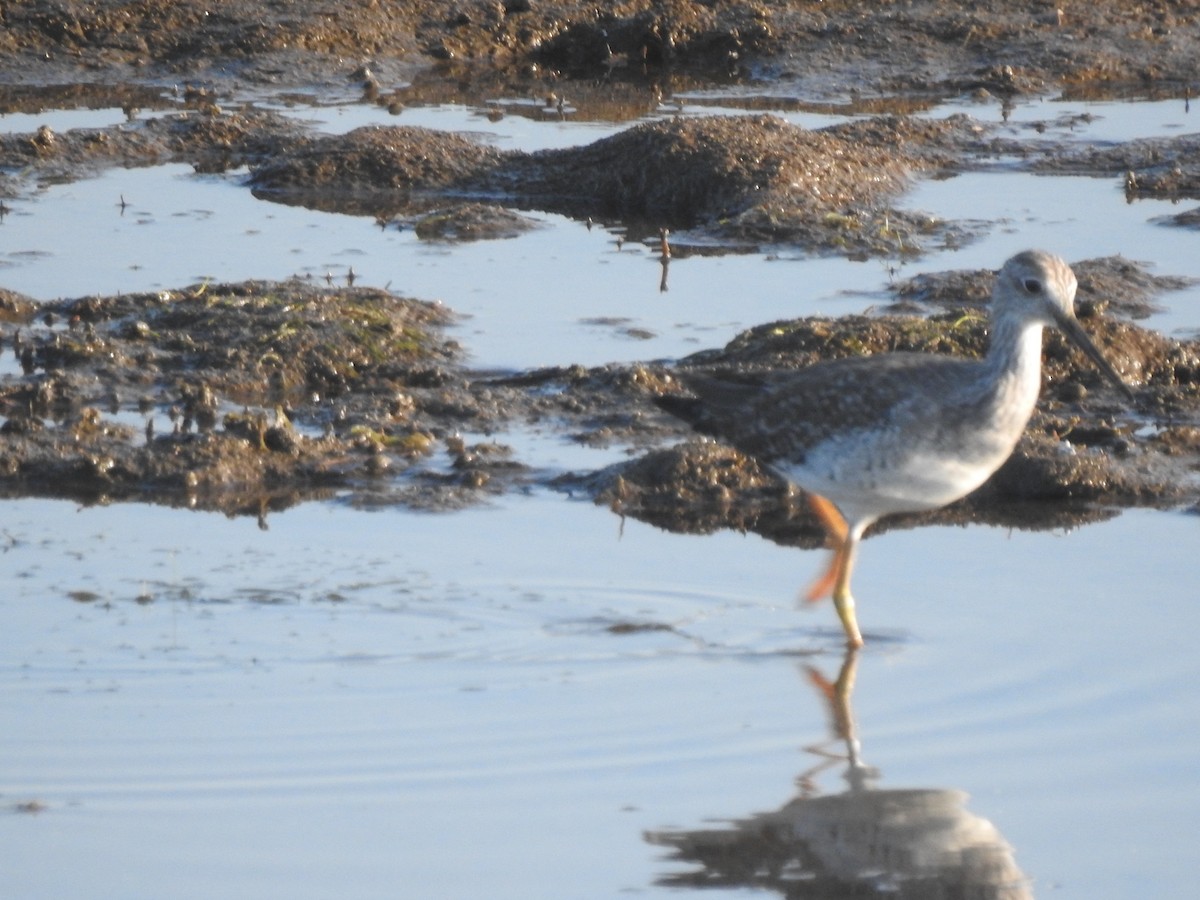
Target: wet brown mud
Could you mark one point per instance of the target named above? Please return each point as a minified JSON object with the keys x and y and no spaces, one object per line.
{"x":209,"y":139}
{"x":247,"y":397}
{"x":835,"y":46}
{"x":253,"y":396}
{"x":742,"y":180}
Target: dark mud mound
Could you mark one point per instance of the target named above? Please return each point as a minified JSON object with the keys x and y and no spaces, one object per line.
{"x":209,"y":139}
{"x":700,"y":487}
{"x":1155,"y":168}
{"x":262,"y":342}
{"x":1189,"y":218}
{"x":246,"y":396}
{"x":746,"y":178}
{"x":375,"y":170}
{"x":471,"y":222}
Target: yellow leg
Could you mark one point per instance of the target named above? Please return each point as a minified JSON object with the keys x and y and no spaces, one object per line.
{"x":843,"y":602}
{"x":837,"y":576}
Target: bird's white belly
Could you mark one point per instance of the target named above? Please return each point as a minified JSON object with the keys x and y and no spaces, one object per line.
{"x":876,"y":478}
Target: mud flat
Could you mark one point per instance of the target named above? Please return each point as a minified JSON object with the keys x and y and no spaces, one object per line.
{"x":250,"y":397}
{"x":256,"y":395}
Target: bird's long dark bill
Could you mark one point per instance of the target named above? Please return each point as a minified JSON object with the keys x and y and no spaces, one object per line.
{"x":1073,"y":330}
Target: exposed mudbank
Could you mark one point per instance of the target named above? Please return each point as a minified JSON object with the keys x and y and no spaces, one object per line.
{"x":253,"y":396}
{"x":832,"y":47}
{"x":739,"y":180}
{"x":247,"y":396}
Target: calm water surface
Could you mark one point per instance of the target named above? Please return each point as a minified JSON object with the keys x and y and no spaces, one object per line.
{"x":535,"y":699}
{"x":381,"y":699}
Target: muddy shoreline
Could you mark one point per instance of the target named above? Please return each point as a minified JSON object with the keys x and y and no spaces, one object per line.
{"x":250,"y":397}
{"x":828,"y":48}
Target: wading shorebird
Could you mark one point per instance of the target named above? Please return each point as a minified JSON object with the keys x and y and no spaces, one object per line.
{"x":869,"y":436}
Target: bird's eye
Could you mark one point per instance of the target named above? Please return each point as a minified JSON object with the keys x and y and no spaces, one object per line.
{"x":1032,"y":285}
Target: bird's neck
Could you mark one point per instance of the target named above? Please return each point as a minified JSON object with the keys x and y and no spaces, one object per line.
{"x":1014,"y":364}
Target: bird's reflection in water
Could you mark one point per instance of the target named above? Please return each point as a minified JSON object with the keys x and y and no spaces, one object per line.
{"x":917,"y":844}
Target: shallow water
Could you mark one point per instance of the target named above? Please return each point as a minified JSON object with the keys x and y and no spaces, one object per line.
{"x":364,"y":700}
{"x":180,"y":228}
{"x":513,"y":700}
